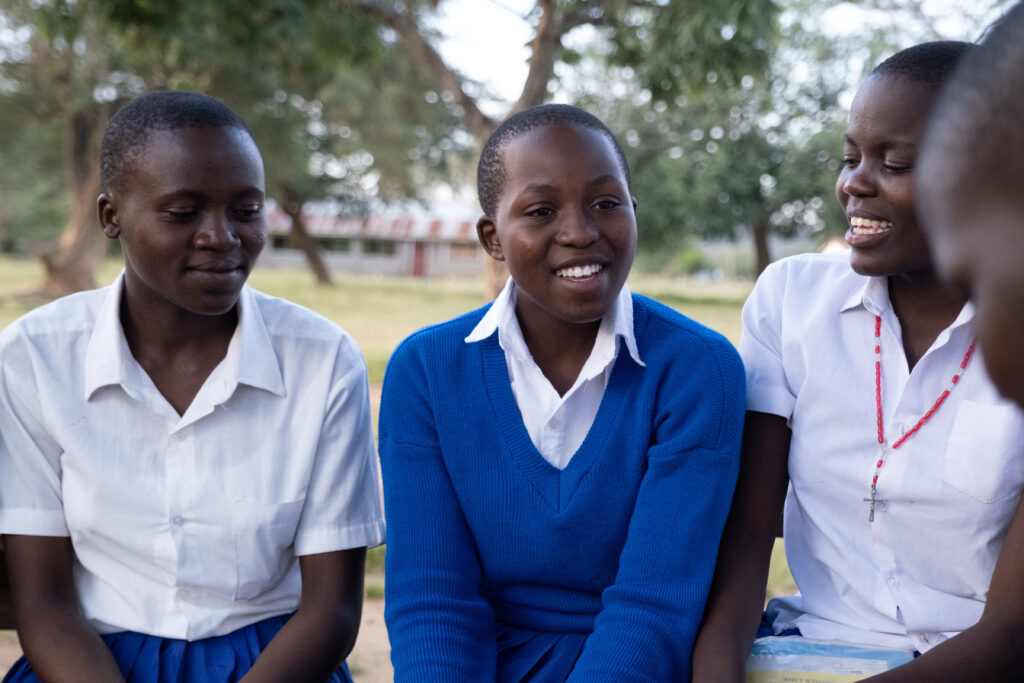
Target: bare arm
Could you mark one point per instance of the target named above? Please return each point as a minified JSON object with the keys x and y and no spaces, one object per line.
{"x":58,"y":642}
{"x":991,"y":649}
{"x":323,"y":630}
{"x":736,"y":600}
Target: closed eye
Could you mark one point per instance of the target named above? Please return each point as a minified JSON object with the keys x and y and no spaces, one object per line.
{"x":541,"y":212}
{"x":181,"y":215}
{"x":249,"y":213}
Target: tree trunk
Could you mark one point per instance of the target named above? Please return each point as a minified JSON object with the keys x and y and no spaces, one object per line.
{"x":301,"y":238}
{"x":762,"y":255}
{"x":71,"y":263}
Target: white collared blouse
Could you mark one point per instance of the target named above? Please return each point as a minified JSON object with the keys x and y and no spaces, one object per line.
{"x":557,"y":425}
{"x":920,"y":572}
{"x":186,"y":526}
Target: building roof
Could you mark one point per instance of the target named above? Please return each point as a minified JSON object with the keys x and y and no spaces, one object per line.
{"x":325,"y":221}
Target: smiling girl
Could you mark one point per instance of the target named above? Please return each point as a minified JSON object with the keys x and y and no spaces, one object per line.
{"x":187,"y":485}
{"x":871,"y":416}
{"x":557,"y":465}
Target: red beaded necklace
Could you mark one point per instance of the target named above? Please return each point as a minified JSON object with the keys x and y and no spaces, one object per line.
{"x":886,"y":450}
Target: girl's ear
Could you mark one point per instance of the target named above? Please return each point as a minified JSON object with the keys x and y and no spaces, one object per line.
{"x":487,"y":233}
{"x":107,"y":212}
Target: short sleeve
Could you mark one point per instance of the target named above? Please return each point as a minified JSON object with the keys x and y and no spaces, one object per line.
{"x":343,"y":505}
{"x":761,"y":343}
{"x":30,"y":459}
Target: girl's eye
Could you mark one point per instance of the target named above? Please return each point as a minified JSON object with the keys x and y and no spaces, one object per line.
{"x":541,"y":212}
{"x":181,"y":215}
{"x":897,"y":168}
{"x":249,"y":213}
{"x":849,"y":162}
{"x":608,"y":204}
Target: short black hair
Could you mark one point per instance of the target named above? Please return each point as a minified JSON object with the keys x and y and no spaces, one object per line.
{"x":125,"y":137}
{"x":930,"y":63}
{"x":490,"y":172}
{"x":975,"y":131}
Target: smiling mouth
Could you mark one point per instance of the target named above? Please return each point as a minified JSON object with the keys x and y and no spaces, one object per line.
{"x":579,"y":272}
{"x":867,"y":226}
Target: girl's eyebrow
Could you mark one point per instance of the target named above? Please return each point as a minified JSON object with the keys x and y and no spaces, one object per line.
{"x":603,"y":180}
{"x":541,"y":188}
{"x":181,"y":194}
{"x":889,"y":144}
{"x":185,"y":193}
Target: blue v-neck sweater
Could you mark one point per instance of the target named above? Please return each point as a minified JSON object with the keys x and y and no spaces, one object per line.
{"x":620,"y":545}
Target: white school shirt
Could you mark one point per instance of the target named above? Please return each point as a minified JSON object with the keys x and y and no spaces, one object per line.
{"x":186,"y":526}
{"x":920,"y":572}
{"x":557,"y":424}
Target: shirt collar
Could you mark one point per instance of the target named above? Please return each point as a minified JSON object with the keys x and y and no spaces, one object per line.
{"x":250,"y":358}
{"x":873,"y":296}
{"x":501,"y":317}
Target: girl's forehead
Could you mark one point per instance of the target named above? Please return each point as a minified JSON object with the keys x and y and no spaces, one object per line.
{"x":556,"y":145}
{"x":891,"y":104}
{"x":199,"y":158}
{"x":886,"y":92}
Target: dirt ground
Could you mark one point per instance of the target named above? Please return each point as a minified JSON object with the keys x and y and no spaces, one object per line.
{"x":370,"y":661}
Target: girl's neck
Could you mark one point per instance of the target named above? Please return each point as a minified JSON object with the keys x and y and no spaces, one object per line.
{"x":924,"y":306}
{"x":559,"y":348}
{"x":170,"y":333}
{"x":177,"y":350}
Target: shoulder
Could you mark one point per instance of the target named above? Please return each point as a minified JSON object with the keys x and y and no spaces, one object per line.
{"x":810,"y":273}
{"x":667,"y":337}
{"x":287,"y":318}
{"x":315,"y":338}
{"x":663,"y":329}
{"x":54,"y":324}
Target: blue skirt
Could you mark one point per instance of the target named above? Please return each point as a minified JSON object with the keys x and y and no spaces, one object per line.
{"x":151,"y":659}
{"x":536,"y":656}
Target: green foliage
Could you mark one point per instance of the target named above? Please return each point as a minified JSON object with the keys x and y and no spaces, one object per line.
{"x":330,"y":99}
{"x":33,"y":206}
{"x":726,"y":159}
{"x":681,"y":47}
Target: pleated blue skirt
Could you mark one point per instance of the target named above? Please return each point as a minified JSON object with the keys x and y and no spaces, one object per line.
{"x":151,"y":659}
{"x":536,"y":656}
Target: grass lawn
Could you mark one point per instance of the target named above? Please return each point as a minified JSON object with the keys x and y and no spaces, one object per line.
{"x":380,"y":311}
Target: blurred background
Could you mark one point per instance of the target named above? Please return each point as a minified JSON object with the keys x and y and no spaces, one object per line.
{"x":370,"y":115}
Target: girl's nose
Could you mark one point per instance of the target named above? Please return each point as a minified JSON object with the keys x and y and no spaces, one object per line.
{"x":858,"y":182}
{"x":217,"y":232}
{"x":577,"y":229}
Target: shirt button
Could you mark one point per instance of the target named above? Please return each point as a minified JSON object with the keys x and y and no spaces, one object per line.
{"x":177,"y":520}
{"x":894,"y":582}
{"x":554,"y":423}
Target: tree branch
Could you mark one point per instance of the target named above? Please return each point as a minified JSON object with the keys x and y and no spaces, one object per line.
{"x":544,"y":47}
{"x":397,"y":16}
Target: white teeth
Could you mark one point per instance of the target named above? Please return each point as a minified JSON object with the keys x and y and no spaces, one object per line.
{"x":580,"y":271}
{"x":867,"y":226}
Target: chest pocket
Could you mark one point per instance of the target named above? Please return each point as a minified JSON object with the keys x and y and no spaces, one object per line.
{"x":985,"y":454}
{"x":263,"y":535}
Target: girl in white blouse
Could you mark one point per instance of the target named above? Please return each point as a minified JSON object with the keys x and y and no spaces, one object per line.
{"x":187,"y":481}
{"x":871,"y":416}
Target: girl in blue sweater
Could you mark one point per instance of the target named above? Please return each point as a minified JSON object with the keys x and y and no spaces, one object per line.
{"x":557,"y":465}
